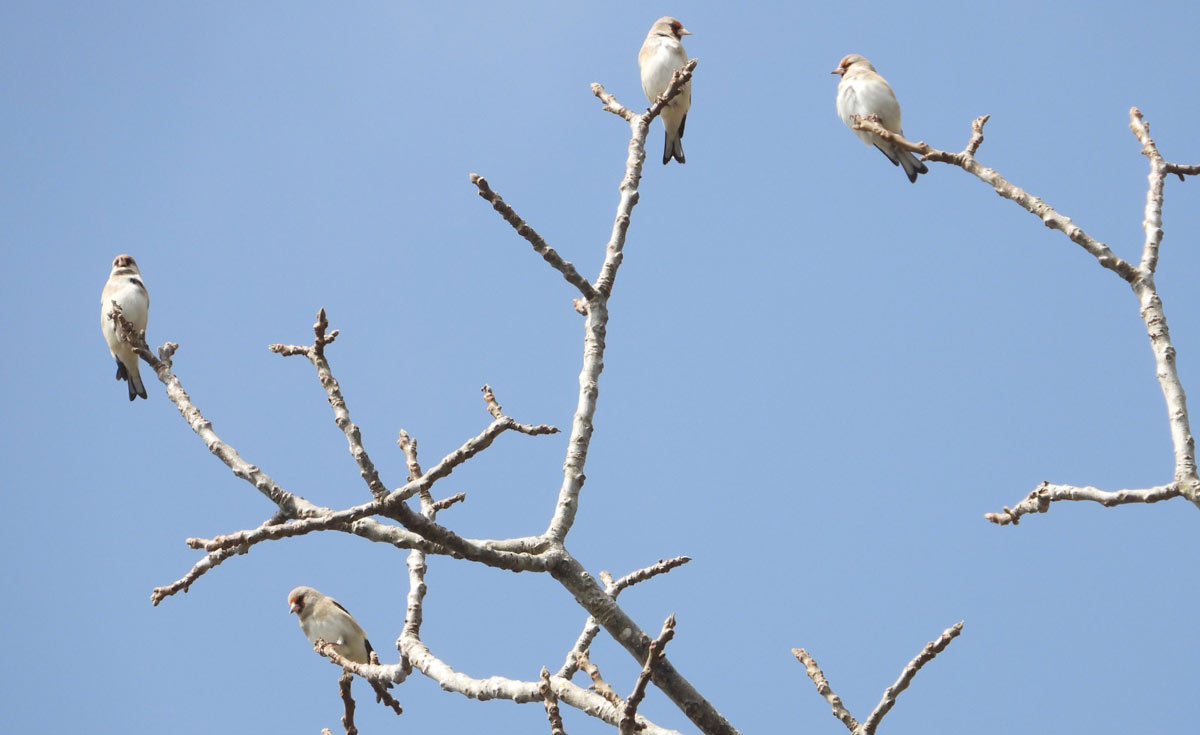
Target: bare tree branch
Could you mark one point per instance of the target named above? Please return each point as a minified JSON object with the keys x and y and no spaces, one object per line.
{"x":380,"y":676}
{"x":818,"y":678}
{"x":551,"y":703}
{"x":591,"y":627}
{"x":1140,"y":278}
{"x":653,"y":659}
{"x":499,"y":687}
{"x":598,"y":683}
{"x":633,"y":174}
{"x":868,"y":727}
{"x":539,"y":245}
{"x":625,"y":631}
{"x":344,"y":682}
{"x":341,"y":414}
{"x":294,"y":506}
{"x":421,"y":534}
{"x":1039,"y":500}
{"x":927,"y":654}
{"x":199,"y":568}
{"x":596,"y":323}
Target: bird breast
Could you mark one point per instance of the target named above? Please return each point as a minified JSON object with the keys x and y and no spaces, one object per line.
{"x":664,"y":58}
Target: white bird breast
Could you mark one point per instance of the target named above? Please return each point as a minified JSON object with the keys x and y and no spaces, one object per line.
{"x":865,"y":97}
{"x":331,"y":631}
{"x":660,"y":67}
{"x":132,"y":299}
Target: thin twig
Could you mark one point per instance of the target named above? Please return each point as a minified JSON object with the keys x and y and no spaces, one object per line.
{"x":293,"y":505}
{"x":549,"y":254}
{"x":198,"y":569}
{"x":341,"y":413}
{"x":445,"y":503}
{"x":344,"y":682}
{"x":1039,"y":500}
{"x":818,"y":678}
{"x":927,"y":654}
{"x":551,"y":703}
{"x":1032,"y":204}
{"x":653,"y":660}
{"x":380,"y":676}
{"x":888,"y":701}
{"x":613,"y":587}
{"x":584,"y":663}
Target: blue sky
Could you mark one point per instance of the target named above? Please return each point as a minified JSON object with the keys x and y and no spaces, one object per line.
{"x":819,"y":377}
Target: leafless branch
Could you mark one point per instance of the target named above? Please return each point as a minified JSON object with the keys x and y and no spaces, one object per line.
{"x":344,"y":682}
{"x":445,"y":503}
{"x":613,"y":587}
{"x":595,"y":325}
{"x":1140,"y":279}
{"x":1039,"y":208}
{"x":1181,"y":170}
{"x":662,"y":567}
{"x":927,"y":654}
{"x":640,"y":125}
{"x":421,"y":534}
{"x":610,"y":102}
{"x":551,"y":703}
{"x":868,"y":727}
{"x":1039,"y":500}
{"x":341,"y":414}
{"x":379,"y":676}
{"x":818,"y":678}
{"x":549,"y":254}
{"x":653,"y":659}
{"x":499,"y":687}
{"x":199,"y":568}
{"x":292,"y":505}
{"x":602,"y":688}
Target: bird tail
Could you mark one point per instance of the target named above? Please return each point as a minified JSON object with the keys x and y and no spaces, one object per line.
{"x":134,"y":378}
{"x":673,"y":144}
{"x":912,"y":165}
{"x":673,"y":148}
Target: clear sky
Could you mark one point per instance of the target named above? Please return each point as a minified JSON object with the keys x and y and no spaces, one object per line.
{"x":819,"y":377}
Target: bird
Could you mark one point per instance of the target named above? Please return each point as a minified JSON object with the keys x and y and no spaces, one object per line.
{"x":862,"y":92}
{"x":125,"y":287}
{"x":661,"y":56}
{"x":322,"y":617}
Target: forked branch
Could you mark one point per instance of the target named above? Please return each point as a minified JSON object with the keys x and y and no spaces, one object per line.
{"x":868,"y":726}
{"x":1140,"y":278}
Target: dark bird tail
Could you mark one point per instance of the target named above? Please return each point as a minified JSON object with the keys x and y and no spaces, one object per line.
{"x":912,"y":166}
{"x":673,"y":146}
{"x":136,"y":388}
{"x":673,"y":149}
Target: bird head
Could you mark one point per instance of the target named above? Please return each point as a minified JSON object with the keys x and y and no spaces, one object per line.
{"x":124,"y":264}
{"x":300,"y":598}
{"x":668,"y":26}
{"x":851,"y":60}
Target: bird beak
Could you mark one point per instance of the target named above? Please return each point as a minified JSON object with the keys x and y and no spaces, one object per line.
{"x":295,"y":607}
{"x":839,"y":71}
{"x":684,"y":32}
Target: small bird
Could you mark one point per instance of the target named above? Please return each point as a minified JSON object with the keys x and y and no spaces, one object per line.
{"x":863,"y":92}
{"x":323,"y":617}
{"x":661,"y":56}
{"x":126,"y":288}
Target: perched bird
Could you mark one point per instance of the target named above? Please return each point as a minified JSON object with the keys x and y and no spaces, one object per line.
{"x":323,"y":617}
{"x":126,"y":288}
{"x":661,"y":56}
{"x":864,"y":93}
